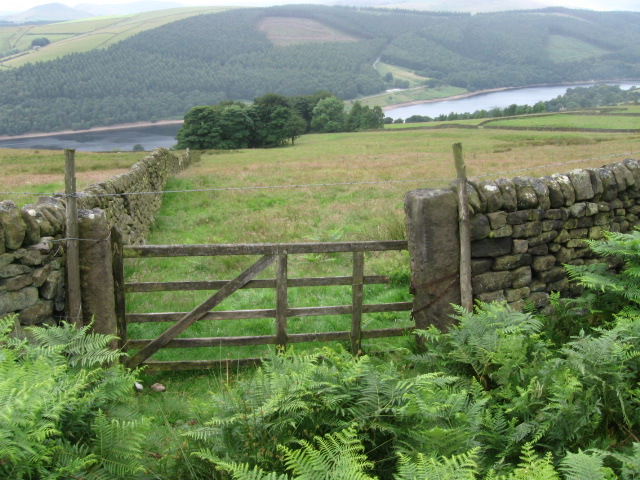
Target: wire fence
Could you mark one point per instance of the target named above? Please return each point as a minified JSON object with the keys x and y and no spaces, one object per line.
{"x":335,"y":184}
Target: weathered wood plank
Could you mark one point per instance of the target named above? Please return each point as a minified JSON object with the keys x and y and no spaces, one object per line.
{"x":271,"y":313}
{"x":135,"y":251}
{"x":356,"y":302}
{"x":281,"y":300}
{"x":118,"y":286}
{"x":270,"y":339}
{"x":263,"y":283}
{"x":200,"y":310}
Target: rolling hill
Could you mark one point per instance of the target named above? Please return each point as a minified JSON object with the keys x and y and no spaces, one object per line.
{"x":241,"y":54}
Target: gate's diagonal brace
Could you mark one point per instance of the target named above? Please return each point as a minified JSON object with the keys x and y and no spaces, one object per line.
{"x":197,"y":313}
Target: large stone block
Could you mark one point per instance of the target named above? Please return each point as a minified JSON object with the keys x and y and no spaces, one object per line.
{"x":12,"y":224}
{"x":529,"y":229}
{"x":509,"y":262}
{"x":509,"y":194}
{"x":432,"y":234}
{"x":581,"y":181}
{"x":491,"y":281}
{"x":19,"y":300}
{"x":527,"y":197}
{"x":566,"y":186}
{"x":491,"y":247}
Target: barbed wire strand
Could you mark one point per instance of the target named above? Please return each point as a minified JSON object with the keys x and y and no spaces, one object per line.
{"x":317,"y":185}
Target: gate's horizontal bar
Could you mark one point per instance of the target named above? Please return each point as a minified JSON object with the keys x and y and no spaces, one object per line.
{"x":271,"y":312}
{"x":269,"y":339}
{"x":266,"y":283}
{"x":135,"y":251}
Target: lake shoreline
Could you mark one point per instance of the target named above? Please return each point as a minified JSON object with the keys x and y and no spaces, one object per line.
{"x":120,"y":126}
{"x":494,"y":90}
{"x":123,"y":126}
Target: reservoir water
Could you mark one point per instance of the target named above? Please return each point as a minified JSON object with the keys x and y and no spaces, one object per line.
{"x":124,"y":139}
{"x":121,"y":139}
{"x":487,"y":101}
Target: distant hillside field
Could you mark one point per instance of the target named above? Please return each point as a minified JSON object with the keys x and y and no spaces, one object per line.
{"x":83,"y":35}
{"x":291,"y":31}
{"x":241,"y":54}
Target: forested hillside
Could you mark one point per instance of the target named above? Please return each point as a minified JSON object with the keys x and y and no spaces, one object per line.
{"x":203,"y":60}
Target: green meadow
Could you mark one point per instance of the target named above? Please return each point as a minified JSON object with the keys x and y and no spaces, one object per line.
{"x":331,"y":187}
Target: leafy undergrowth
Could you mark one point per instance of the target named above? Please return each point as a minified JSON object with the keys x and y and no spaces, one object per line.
{"x":501,"y":395}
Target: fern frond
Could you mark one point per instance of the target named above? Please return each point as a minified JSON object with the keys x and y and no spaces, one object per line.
{"x":581,"y":466}
{"x":338,"y":456}
{"x":422,"y":467}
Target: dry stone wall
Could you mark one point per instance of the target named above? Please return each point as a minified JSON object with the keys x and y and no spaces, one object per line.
{"x":523,"y":230}
{"x":32,"y":278}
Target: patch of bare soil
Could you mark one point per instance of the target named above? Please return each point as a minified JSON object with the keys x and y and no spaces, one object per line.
{"x":288,"y":31}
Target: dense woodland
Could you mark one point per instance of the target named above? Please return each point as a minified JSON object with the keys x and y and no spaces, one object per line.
{"x":207,"y":59}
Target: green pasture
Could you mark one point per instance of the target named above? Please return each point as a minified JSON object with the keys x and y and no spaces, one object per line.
{"x":567,"y":120}
{"x":400,"y":73}
{"x":331,"y":187}
{"x":333,"y":195}
{"x":410,"y":95}
{"x":85,"y":35}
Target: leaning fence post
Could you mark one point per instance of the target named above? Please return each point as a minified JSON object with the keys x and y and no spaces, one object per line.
{"x":73,"y":260}
{"x":466,"y":292}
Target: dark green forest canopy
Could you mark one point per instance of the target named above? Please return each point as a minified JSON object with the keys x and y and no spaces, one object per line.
{"x":207,"y":59}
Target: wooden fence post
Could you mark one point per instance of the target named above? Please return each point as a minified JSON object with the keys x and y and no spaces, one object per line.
{"x":118,"y":287}
{"x":74,"y":301}
{"x":356,"y":302}
{"x":466,"y":292}
{"x":281,"y":301}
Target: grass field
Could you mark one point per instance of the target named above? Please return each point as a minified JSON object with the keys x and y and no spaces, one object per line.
{"x":394,"y":97}
{"x":326,"y":209}
{"x":337,"y":187}
{"x":84,"y":35}
{"x":567,"y":120}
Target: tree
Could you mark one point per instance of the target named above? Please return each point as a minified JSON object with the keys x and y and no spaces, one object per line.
{"x":272,"y":114}
{"x":138,"y":148}
{"x":40,"y":42}
{"x":296,"y":126}
{"x":328,"y":116}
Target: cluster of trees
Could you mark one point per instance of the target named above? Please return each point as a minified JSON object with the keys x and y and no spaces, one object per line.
{"x":208,"y":59}
{"x":272,"y":120}
{"x":579,"y":97}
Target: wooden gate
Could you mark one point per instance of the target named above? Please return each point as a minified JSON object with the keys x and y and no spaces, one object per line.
{"x":269,"y":254}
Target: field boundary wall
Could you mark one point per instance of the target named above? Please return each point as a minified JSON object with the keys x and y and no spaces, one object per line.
{"x":523,"y":230}
{"x":32,"y":237}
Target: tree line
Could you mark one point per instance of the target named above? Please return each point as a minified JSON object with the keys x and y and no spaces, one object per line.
{"x":272,"y":120}
{"x":208,"y":59}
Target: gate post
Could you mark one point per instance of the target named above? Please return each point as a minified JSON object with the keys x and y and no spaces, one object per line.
{"x":433,"y":242}
{"x":96,"y":272}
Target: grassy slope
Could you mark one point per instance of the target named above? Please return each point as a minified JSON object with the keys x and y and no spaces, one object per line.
{"x":84,"y":35}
